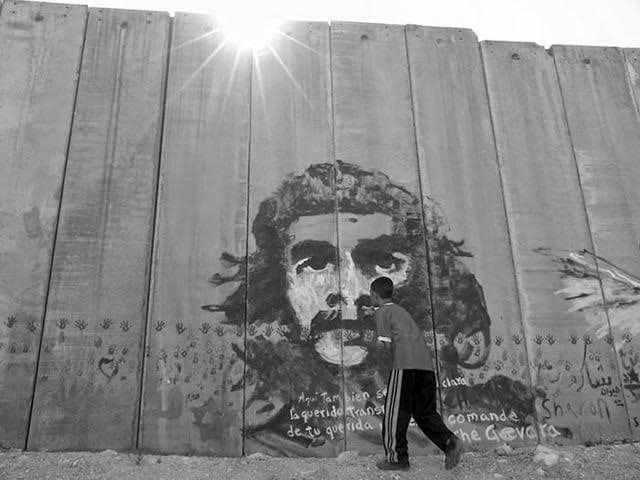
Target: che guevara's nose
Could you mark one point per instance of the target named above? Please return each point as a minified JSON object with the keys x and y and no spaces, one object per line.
{"x":352,"y":286}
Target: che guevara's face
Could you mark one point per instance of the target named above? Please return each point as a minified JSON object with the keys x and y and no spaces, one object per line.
{"x":328,"y":299}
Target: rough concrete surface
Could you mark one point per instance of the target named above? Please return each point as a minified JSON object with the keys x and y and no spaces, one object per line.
{"x":186,"y":270}
{"x":613,"y":462}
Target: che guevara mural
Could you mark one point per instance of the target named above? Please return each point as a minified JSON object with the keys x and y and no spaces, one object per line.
{"x":313,"y":367}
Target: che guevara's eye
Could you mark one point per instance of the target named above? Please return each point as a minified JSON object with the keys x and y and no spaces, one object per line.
{"x":381,"y":256}
{"x":312,"y":264}
{"x":390,"y":263}
{"x":313,"y":256}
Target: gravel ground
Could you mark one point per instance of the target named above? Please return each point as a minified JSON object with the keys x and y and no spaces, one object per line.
{"x":610,"y":462}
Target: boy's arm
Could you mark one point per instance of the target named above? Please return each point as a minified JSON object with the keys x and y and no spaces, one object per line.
{"x":383,"y":327}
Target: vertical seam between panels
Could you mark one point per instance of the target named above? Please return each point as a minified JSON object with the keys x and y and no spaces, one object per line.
{"x":585,"y":211}
{"x":246,"y":256}
{"x":425,"y":232}
{"x":55,"y":230}
{"x":509,"y":226}
{"x":156,"y":213}
{"x":336,"y":176}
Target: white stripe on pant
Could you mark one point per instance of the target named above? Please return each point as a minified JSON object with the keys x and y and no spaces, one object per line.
{"x":391,"y":409}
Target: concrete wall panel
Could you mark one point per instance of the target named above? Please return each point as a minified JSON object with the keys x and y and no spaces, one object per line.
{"x":632,"y":62}
{"x":89,"y":375}
{"x":193,"y":392}
{"x":605,"y":131}
{"x":380,"y":212}
{"x":483,"y":358}
{"x":40,"y":50}
{"x":292,"y":277}
{"x":574,"y":370}
{"x":495,"y":185}
{"x":630,"y":371}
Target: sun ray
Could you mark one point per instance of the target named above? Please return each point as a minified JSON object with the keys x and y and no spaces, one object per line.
{"x":198,"y":70}
{"x":195,"y":39}
{"x":234,"y":69}
{"x":298,"y":42}
{"x":232,"y":75}
{"x":160,"y":56}
{"x":256,"y":63}
{"x":290,"y":75}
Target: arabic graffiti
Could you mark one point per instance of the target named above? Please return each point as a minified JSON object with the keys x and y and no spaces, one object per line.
{"x":629,"y":360}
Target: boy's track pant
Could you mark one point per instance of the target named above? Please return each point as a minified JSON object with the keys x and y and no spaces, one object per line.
{"x":411,"y":393}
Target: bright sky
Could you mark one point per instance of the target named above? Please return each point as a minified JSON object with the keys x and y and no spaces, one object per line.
{"x":547,"y":22}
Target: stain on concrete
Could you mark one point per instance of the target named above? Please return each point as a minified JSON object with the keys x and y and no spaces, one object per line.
{"x":32,"y":224}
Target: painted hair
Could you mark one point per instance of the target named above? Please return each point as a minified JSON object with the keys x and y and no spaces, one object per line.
{"x":316,"y":191}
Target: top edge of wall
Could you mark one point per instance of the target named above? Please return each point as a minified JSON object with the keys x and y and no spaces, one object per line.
{"x":437,"y":30}
{"x":365,"y":24}
{"x":584,"y":47}
{"x":516,"y":44}
{"x":127,"y":11}
{"x":46,"y":5}
{"x":409,"y":26}
{"x":79,"y":6}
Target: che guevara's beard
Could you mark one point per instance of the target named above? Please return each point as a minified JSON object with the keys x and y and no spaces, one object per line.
{"x":328,"y":328}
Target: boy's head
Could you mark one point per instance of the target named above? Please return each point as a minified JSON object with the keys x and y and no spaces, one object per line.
{"x":381,"y":291}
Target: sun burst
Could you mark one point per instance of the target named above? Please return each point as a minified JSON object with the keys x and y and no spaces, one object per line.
{"x":248,"y":32}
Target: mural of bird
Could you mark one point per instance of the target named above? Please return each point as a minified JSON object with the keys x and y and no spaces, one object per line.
{"x":583,"y":275}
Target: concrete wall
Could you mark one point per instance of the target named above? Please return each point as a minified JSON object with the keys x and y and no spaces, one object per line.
{"x":188,"y":233}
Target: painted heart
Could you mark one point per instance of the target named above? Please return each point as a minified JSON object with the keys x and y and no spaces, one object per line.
{"x":108,"y":367}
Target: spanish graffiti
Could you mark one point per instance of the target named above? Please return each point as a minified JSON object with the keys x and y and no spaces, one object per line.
{"x":305,"y":408}
{"x":499,"y":393}
{"x":306,"y":318}
{"x":496,"y":427}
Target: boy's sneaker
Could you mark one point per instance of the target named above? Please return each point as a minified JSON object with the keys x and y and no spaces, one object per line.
{"x":399,"y":465}
{"x":453,"y":453}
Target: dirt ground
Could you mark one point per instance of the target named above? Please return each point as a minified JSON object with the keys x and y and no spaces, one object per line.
{"x":609,"y":462}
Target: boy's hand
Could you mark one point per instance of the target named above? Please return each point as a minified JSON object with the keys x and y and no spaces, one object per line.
{"x":368,"y":311}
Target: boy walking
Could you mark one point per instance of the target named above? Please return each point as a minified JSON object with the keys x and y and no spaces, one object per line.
{"x":411,"y":390}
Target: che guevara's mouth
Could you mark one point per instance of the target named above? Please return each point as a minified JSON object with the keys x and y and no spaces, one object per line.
{"x":331,"y":321}
{"x":338,"y":341}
